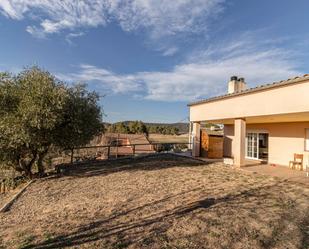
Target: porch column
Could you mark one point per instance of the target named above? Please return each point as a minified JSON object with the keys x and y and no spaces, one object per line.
{"x":239,"y":142}
{"x":196,"y":133}
{"x":190,"y":136}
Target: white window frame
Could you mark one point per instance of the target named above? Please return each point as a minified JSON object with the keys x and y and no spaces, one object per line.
{"x":257,"y":132}
{"x":257,"y":144}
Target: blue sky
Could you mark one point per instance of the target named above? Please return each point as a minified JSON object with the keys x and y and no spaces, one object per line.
{"x":151,"y":57}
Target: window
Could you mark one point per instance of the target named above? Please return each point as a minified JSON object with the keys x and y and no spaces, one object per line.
{"x":307,"y":140}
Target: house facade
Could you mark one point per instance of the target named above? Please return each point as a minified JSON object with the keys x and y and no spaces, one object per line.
{"x":267,"y":123}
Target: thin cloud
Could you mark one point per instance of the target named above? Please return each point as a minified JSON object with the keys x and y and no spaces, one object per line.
{"x":158,"y":18}
{"x":33,"y":30}
{"x":69,"y":38}
{"x":201,"y":76}
{"x":103,"y":79}
{"x":170,"y":51}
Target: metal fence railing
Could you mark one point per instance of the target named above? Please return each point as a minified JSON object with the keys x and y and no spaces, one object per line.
{"x":104,"y":152}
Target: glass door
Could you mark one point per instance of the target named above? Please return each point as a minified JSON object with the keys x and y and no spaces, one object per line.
{"x":263,"y":146}
{"x":252,"y":146}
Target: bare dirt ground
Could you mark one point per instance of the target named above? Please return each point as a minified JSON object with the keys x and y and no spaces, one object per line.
{"x":5,"y":197}
{"x":163,"y":201}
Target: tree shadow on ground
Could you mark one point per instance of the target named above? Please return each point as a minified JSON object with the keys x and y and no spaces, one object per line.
{"x":103,"y":229}
{"x":151,"y":162}
{"x":157,"y":223}
{"x":305,"y":231}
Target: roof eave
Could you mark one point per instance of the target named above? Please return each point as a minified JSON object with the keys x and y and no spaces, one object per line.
{"x":253,"y":90}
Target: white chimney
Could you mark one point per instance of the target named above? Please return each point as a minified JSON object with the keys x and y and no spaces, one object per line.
{"x":237,"y":85}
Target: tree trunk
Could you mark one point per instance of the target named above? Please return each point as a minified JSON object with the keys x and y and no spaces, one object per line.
{"x":28,"y":173}
{"x":41,"y":169}
{"x":27,"y":167}
{"x":40,"y":163}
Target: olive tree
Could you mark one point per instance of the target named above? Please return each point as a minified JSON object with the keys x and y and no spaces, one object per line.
{"x":81,"y":120}
{"x":38,"y":112}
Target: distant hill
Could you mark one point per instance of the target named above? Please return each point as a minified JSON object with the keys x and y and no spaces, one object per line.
{"x":182,"y":127}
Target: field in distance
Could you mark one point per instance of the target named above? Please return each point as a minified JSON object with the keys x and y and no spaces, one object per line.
{"x":160,"y":138}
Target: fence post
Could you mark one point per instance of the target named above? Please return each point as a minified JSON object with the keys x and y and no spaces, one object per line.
{"x":72,"y":155}
{"x":117,"y":141}
{"x":108,"y":151}
{"x":133,"y":149}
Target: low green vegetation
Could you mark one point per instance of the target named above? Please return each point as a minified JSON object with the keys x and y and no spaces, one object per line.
{"x":131,"y":127}
{"x":38,"y":113}
{"x":138,"y":127}
{"x":163,"y":129}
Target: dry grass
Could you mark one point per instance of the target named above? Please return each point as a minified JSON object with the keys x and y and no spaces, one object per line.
{"x":10,"y":189}
{"x":161,"y":201}
{"x":5,"y":197}
{"x":159,"y":138}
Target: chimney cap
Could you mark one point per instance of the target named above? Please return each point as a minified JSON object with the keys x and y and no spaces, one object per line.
{"x":242,"y":79}
{"x":233,"y":78}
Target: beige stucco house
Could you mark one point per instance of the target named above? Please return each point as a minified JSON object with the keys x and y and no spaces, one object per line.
{"x":269,"y":122}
